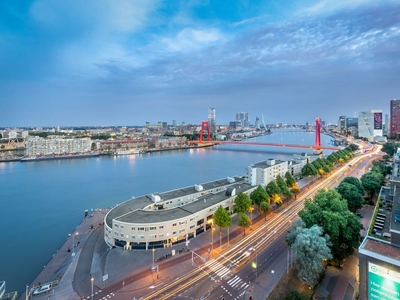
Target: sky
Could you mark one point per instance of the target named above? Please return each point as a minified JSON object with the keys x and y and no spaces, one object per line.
{"x":127,"y":62}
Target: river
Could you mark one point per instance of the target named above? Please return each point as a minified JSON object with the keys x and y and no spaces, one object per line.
{"x":42,"y":202}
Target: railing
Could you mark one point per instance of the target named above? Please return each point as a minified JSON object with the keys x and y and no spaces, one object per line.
{"x":10,"y":296}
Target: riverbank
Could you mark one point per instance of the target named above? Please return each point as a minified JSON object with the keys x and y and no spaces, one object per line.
{"x":60,"y":261}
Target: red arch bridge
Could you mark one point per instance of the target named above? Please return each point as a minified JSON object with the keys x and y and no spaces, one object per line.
{"x":317,"y":146}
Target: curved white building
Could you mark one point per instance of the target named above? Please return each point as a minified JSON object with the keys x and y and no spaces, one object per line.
{"x":161,"y":220}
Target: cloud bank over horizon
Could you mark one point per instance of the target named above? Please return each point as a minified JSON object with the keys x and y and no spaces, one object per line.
{"x":128,"y":62}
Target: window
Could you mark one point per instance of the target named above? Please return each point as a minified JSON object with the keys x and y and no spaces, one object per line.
{"x":191,"y":227}
{"x":140,"y":228}
{"x":174,"y":232}
{"x":161,"y":235}
{"x":122,"y":226}
{"x":115,"y":233}
{"x":152,"y":236}
{"x":122,"y":234}
{"x":153,"y":228}
{"x":182,"y":222}
{"x":173,"y":225}
{"x":181,"y":230}
{"x":161,"y":227}
{"x":116,"y":225}
{"x":133,"y":237}
{"x":141,"y":237}
{"x":132,"y":228}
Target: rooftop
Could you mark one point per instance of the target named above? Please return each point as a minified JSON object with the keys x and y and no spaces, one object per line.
{"x":132,"y":210}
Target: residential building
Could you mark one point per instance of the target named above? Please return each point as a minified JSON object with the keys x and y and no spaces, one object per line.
{"x":264,"y":172}
{"x":379,"y":253}
{"x":51,"y":146}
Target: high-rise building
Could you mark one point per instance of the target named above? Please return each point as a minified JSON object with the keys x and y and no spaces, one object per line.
{"x":394,"y":117}
{"x":243,"y":117}
{"x":342,"y":124}
{"x":212,"y":121}
{"x":257,"y":123}
{"x":370,"y":124}
{"x":352,"y":126}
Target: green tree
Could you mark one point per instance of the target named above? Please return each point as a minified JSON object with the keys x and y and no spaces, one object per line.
{"x":331,"y":213}
{"x":259,"y":195}
{"x":273,"y":192}
{"x":295,"y":190}
{"x":309,"y":170}
{"x":222,"y":218}
{"x":372,"y":182}
{"x":295,"y":295}
{"x":310,"y":249}
{"x":290,"y":180}
{"x":242,"y":203}
{"x":356,"y":182}
{"x":284,"y":190}
{"x":351,"y":194}
{"x":264,"y":208}
{"x":244,"y":221}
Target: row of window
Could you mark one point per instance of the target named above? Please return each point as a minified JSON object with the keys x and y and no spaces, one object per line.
{"x":153,"y":228}
{"x":153,"y":236}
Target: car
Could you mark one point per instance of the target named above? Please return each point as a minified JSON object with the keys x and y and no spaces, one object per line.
{"x":43,"y":289}
{"x":249,"y":251}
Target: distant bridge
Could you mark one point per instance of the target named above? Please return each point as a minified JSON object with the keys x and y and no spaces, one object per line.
{"x":317,"y":146}
{"x":263,"y":144}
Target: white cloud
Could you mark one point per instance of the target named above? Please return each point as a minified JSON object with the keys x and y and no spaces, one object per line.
{"x":191,"y":39}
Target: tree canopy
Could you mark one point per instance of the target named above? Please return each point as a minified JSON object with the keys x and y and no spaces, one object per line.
{"x":244,"y":221}
{"x":356,"y":182}
{"x":351,"y":194}
{"x":259,"y":195}
{"x":284,"y":190}
{"x":310,"y":248}
{"x":242,"y":203}
{"x":264,"y":208}
{"x":273,"y":192}
{"x":331,"y":213}
{"x":372,"y":182}
{"x":309,"y":170}
{"x":290,"y":180}
{"x":222,"y":218}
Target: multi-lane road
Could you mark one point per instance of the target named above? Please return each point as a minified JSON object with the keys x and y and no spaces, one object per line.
{"x":232,"y":274}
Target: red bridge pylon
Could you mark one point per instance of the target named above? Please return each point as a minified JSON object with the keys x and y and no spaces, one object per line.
{"x":203,"y":125}
{"x":317,"y":145}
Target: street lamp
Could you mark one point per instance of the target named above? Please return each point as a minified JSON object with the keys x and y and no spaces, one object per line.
{"x":152,"y":269}
{"x":73,"y":242}
{"x":212,"y":233}
{"x":92,"y":280}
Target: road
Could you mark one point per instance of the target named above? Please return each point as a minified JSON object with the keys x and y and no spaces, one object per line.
{"x":215,"y":278}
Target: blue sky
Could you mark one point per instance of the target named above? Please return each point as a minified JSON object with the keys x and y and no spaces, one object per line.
{"x":98,"y":62}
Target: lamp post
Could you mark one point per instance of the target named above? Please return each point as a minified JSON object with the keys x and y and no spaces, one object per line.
{"x":73,"y":243}
{"x":152,"y":269}
{"x":92,"y":281}
{"x":251,"y":217}
{"x":212,"y":234}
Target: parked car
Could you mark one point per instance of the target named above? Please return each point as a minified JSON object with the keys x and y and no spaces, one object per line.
{"x":43,"y":289}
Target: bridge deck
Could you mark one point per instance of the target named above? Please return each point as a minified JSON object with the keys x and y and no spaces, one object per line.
{"x":264,"y":144}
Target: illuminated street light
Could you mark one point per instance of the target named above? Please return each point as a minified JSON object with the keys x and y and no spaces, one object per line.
{"x":92,"y":281}
{"x":73,"y":243}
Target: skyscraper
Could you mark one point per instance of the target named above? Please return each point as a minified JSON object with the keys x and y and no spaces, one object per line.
{"x":342,"y":124}
{"x":394,"y":117}
{"x":243,"y":117}
{"x":370,"y":124}
{"x":212,"y":122}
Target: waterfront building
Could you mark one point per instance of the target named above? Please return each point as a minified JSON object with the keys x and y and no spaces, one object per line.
{"x":379,"y":253}
{"x":163,"y":219}
{"x":342,"y":124}
{"x":264,"y":172}
{"x":257,"y":123}
{"x":370,"y":125}
{"x":55,"y":145}
{"x":297,"y":163}
{"x":352,"y":126}
{"x":212,"y":120}
{"x":394,"y":118}
{"x":243,"y":118}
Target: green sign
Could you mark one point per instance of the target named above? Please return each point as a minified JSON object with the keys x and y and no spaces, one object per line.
{"x":383,"y":283}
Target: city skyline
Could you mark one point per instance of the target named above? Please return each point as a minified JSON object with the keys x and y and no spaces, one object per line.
{"x":95,"y":63}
